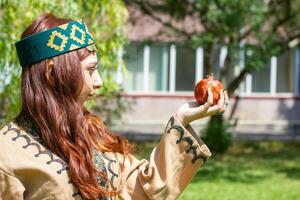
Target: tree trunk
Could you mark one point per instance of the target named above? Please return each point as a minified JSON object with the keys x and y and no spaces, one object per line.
{"x":233,"y":85}
{"x":217,"y":136}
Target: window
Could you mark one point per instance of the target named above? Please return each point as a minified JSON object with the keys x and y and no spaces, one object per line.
{"x":285,"y":72}
{"x":159,"y":67}
{"x":155,"y":73}
{"x":284,"y":76}
{"x":261,"y":80}
{"x":185,"y":69}
{"x":133,"y":57}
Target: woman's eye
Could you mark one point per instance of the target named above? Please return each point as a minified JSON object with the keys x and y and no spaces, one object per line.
{"x":92,"y":69}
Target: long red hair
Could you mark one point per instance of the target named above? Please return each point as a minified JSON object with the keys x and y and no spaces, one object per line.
{"x":49,"y":96}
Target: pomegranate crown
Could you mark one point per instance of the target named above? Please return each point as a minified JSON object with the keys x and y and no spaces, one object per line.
{"x":210,"y":76}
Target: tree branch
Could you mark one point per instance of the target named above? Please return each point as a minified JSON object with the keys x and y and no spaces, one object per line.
{"x":202,"y":14}
{"x":148,"y":11}
{"x":218,"y":4}
{"x":288,"y":16}
{"x":245,"y":34}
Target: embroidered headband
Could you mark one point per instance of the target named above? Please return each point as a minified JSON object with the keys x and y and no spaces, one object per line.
{"x":53,"y":42}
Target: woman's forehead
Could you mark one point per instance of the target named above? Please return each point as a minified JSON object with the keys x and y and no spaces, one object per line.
{"x":90,"y":59}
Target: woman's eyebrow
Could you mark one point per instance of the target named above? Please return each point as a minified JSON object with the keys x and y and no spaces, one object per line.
{"x":92,"y":64}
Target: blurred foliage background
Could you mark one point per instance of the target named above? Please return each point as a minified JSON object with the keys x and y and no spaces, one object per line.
{"x":106,"y":21}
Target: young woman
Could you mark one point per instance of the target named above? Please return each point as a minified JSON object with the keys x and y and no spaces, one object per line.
{"x":56,"y":149}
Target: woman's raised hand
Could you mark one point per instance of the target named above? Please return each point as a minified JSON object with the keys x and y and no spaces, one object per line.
{"x":191,"y":111}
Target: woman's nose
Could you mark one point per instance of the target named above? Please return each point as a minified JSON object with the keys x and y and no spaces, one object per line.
{"x":98,"y":81}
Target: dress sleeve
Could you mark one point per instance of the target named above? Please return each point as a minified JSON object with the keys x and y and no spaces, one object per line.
{"x":173,"y":162}
{"x":10,"y":187}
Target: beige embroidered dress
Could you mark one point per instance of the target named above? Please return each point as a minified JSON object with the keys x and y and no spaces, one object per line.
{"x":28,"y":170}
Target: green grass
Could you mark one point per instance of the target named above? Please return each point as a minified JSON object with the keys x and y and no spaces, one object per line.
{"x":249,"y":171}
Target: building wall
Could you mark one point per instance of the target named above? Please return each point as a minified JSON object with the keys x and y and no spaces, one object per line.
{"x":262,"y":114}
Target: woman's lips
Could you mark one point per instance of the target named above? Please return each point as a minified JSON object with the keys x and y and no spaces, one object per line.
{"x":93,"y":94}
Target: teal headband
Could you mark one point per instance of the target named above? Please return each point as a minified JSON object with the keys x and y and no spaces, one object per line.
{"x":53,"y":42}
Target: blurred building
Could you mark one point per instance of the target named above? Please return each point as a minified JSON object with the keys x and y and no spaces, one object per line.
{"x":161,"y":74}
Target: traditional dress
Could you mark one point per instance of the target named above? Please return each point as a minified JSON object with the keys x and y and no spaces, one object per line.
{"x":28,"y":170}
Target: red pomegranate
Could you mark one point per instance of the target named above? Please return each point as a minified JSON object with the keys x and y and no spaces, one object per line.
{"x":201,"y":87}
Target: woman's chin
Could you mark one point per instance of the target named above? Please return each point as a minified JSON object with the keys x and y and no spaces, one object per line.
{"x":87,"y":98}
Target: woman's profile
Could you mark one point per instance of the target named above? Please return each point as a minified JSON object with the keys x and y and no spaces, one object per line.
{"x":56,"y":149}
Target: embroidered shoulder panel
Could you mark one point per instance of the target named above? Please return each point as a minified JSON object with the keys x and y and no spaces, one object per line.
{"x":41,"y":149}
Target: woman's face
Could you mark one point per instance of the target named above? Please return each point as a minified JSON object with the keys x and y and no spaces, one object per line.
{"x":92,"y":80}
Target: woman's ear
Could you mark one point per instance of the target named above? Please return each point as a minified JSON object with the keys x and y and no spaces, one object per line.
{"x":49,"y":70}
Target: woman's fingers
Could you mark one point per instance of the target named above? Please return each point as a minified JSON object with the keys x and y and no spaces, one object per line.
{"x":225,"y":100}
{"x":192,"y":110}
{"x":222,"y":104}
{"x":210,"y":99}
{"x":221,"y":100}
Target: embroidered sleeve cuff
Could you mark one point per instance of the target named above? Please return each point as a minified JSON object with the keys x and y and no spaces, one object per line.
{"x":193,"y":144}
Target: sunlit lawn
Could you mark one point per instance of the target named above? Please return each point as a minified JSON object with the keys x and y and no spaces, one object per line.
{"x":249,"y":171}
